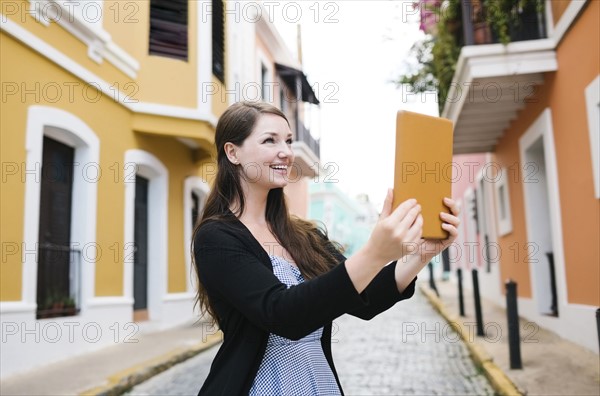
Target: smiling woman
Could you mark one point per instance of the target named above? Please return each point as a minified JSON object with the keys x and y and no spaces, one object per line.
{"x":274,"y":283}
{"x":265,"y":156}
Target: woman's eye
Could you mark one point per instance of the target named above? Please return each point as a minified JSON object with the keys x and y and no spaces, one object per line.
{"x":289,"y":141}
{"x":269,"y":140}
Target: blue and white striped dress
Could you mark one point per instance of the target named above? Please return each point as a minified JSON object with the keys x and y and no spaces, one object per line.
{"x":291,"y":368}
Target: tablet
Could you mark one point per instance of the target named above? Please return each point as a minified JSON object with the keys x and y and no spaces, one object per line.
{"x":423,"y":167}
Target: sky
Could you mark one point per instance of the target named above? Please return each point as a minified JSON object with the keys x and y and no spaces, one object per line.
{"x":350,"y":52}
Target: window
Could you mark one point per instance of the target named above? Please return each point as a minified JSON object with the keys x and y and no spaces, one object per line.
{"x":146,"y":222}
{"x":218,"y":40}
{"x":503,"y":204}
{"x":285,"y":102}
{"x":65,"y":132}
{"x":195,"y":192}
{"x":169,"y":28}
{"x":592,"y":98}
{"x":58,"y":275}
{"x":195,"y":209}
{"x":264,"y":73}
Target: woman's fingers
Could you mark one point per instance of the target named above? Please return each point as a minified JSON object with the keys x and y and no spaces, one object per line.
{"x":395,"y":228}
{"x":451,"y":230}
{"x":450,"y":219}
{"x":452,"y":205}
{"x":411,"y":217}
{"x":415,"y":232}
{"x":403,"y":210}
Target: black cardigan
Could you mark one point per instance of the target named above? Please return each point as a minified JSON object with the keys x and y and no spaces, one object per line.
{"x":251,"y":302}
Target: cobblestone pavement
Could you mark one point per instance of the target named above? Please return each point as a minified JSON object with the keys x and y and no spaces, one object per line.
{"x":408,"y":350}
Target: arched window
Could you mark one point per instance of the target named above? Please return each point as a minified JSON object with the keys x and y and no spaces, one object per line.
{"x":61,"y":182}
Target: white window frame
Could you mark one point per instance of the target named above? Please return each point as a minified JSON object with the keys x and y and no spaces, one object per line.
{"x":70,"y":130}
{"x":76,"y":18}
{"x":504,"y":224}
{"x":592,"y":101}
{"x":263,"y":61}
{"x":199,"y":186}
{"x":145,"y":164}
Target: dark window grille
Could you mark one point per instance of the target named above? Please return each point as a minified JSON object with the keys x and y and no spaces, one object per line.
{"x":195,"y":209}
{"x":169,"y":28}
{"x":140,"y":239}
{"x":264,"y":73}
{"x":218,"y":40}
{"x":59,"y":281}
{"x":58,"y":266}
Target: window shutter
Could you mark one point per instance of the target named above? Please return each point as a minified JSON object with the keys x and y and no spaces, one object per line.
{"x":218,"y":40}
{"x":169,"y":28}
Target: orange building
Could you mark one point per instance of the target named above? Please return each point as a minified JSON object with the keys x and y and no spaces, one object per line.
{"x":533,"y":107}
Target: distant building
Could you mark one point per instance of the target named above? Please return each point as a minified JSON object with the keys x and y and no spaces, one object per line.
{"x":348,"y":221}
{"x":263,"y":68}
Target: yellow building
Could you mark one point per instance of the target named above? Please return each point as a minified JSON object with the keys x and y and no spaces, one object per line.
{"x":107,"y":126}
{"x":107,"y":133}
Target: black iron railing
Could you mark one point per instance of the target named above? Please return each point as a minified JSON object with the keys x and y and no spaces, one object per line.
{"x":303,"y":135}
{"x":481,"y":24}
{"x":58,"y":281}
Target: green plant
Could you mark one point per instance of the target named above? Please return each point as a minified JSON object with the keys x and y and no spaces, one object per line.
{"x":505,"y":14}
{"x":69,"y":302}
{"x":436,"y":56}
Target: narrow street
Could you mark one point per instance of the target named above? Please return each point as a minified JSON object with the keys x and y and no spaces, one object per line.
{"x":408,"y":350}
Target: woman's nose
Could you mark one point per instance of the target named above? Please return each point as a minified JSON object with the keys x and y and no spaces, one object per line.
{"x":286,"y":151}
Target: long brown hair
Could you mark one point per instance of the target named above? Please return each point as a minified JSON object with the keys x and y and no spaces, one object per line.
{"x":302,"y":239}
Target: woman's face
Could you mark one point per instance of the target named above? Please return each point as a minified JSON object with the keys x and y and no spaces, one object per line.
{"x":266,"y":155}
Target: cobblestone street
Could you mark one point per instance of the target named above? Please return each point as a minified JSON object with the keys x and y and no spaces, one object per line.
{"x":408,"y":350}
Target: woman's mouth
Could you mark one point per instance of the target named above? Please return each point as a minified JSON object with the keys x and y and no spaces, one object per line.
{"x":279,"y":168}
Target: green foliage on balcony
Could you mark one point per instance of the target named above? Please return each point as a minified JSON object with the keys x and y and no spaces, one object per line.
{"x":505,"y":16}
{"x":436,"y":56}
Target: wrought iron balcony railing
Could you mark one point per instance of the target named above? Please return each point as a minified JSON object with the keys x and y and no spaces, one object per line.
{"x":490,"y":23}
{"x":303,"y":135}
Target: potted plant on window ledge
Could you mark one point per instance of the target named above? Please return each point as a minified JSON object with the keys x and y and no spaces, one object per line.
{"x":69,"y":307}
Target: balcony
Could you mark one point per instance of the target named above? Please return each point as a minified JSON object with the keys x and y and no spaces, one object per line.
{"x":307,"y":151}
{"x":303,"y":135}
{"x":483,"y":25}
{"x":497,"y":73}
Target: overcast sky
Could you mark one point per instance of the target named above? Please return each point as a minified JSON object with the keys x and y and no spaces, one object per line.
{"x":351,"y":49}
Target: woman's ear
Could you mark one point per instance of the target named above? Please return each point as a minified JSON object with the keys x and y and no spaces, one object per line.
{"x":230,"y":151}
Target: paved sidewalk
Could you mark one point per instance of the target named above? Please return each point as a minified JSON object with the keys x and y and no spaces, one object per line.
{"x":551,"y":364}
{"x":399,"y":352}
{"x":112,"y":370}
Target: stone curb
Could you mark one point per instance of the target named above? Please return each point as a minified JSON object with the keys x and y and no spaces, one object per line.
{"x":498,"y":378}
{"x":124,"y":380}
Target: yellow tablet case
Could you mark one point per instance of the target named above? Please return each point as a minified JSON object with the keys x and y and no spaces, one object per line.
{"x":423,"y":167}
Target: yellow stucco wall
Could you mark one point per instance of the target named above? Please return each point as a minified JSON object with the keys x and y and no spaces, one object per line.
{"x":159,"y":80}
{"x":57,"y":37}
{"x":12,"y":149}
{"x":112,"y":123}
